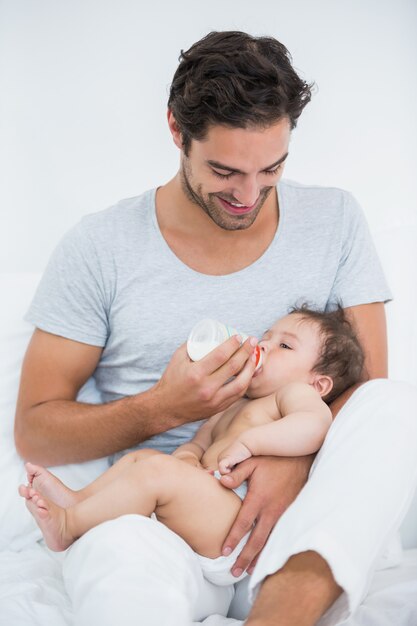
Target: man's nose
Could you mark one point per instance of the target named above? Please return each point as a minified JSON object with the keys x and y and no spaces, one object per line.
{"x":248,"y":192}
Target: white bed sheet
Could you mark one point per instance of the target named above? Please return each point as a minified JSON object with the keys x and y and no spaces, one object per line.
{"x":32,"y":593}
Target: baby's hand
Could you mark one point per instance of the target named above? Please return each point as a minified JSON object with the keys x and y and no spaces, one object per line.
{"x":233,"y":454}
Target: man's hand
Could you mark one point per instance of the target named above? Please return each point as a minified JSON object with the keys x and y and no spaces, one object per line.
{"x":273,"y":484}
{"x":189,"y":391}
{"x":232,"y":455}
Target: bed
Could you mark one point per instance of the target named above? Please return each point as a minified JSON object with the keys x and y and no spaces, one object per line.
{"x":31,"y":584}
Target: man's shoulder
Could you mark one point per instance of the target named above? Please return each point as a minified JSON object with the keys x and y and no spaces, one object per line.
{"x":317,"y":202}
{"x":304,"y":190}
{"x":122,"y":213}
{"x":121,"y":226}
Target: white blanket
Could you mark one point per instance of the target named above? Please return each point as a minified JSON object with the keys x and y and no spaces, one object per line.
{"x":32,"y":593}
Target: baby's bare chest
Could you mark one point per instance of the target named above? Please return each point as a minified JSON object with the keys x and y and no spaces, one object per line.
{"x":246,"y":414}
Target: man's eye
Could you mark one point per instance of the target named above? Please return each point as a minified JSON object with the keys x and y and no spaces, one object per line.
{"x":284,"y":345}
{"x":275,"y":171}
{"x":223,"y":176}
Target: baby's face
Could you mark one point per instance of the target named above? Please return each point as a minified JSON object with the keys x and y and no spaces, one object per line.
{"x":289,"y":351}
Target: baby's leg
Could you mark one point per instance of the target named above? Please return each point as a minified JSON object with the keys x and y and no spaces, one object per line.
{"x":115,"y":471}
{"x":45,"y":483}
{"x":186,"y":499}
{"x":194,"y":504}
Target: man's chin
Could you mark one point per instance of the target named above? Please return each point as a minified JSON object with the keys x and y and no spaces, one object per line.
{"x":230,"y":222}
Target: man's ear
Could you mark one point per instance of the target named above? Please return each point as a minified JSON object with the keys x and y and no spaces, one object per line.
{"x":322,"y":384}
{"x":175,"y":131}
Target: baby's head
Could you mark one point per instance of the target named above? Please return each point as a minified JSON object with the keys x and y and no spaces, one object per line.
{"x":309,"y":346}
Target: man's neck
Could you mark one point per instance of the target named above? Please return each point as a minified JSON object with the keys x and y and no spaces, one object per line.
{"x":200,"y":243}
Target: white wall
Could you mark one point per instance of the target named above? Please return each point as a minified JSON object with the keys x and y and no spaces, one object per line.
{"x":83,"y":90}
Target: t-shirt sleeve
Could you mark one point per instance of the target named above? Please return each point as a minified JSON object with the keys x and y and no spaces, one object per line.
{"x":70,"y":300}
{"x":360,"y":278}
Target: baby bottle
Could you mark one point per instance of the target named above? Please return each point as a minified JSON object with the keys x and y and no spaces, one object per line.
{"x":208,"y":334}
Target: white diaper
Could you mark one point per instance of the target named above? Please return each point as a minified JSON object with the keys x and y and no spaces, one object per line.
{"x":218,"y":571}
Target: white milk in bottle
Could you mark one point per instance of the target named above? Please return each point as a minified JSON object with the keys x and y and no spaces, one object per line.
{"x":208,"y":334}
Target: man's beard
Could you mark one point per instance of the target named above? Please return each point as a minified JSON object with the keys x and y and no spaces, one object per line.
{"x":212,"y":207}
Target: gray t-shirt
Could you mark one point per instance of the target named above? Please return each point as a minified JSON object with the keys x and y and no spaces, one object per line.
{"x":114,"y":282}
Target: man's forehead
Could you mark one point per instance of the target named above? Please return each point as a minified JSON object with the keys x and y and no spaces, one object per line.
{"x":242,"y":150}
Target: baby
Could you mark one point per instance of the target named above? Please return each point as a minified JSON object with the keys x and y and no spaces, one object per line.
{"x":309,"y":358}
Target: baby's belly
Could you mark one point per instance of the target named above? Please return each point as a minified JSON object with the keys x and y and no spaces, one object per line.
{"x":243,"y":416}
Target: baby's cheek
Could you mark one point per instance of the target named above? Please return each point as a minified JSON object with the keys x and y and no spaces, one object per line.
{"x":253,"y":392}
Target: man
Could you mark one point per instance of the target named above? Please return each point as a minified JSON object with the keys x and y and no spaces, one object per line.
{"x":225,"y":238}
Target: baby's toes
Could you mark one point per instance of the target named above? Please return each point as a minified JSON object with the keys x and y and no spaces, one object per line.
{"x":41,"y":511}
{"x":40,"y":505}
{"x":24,"y":491}
{"x":30,"y":471}
{"x":34,"y":496}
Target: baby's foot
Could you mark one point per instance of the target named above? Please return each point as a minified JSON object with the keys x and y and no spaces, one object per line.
{"x":49,"y":485}
{"x":51,"y":519}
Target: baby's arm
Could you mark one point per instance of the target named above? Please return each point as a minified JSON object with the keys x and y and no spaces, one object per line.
{"x":300,"y":431}
{"x":192,"y":451}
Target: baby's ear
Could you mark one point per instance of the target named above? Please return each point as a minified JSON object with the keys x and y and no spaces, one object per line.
{"x":322,"y":384}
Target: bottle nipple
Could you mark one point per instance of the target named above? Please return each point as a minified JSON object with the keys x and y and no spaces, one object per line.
{"x":258,"y":355}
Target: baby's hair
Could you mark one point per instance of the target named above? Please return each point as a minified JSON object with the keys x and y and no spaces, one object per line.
{"x":341,"y":355}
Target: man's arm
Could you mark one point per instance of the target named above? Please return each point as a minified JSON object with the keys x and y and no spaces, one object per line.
{"x":297,"y":595}
{"x":51,"y":428}
{"x":369,"y":322}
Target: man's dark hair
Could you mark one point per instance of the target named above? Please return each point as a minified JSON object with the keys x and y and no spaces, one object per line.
{"x":236,"y":80}
{"x":341,"y":355}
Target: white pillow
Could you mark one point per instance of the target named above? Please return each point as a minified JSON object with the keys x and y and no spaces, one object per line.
{"x":17,"y":527}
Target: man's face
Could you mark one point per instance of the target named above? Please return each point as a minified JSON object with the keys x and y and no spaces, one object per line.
{"x":289,"y":351}
{"x":231,"y":173}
